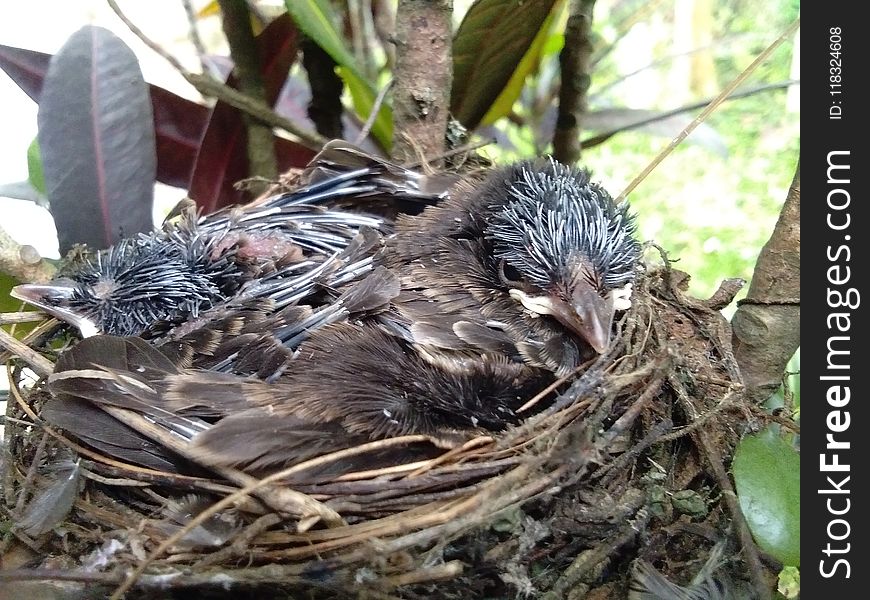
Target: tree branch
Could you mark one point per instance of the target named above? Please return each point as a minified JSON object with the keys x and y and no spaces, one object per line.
{"x":424,"y":66}
{"x":575,"y":62}
{"x":23,"y":262}
{"x":195,"y":38}
{"x":758,"y":89}
{"x":243,"y":51}
{"x":210,"y":87}
{"x":384,"y":25}
{"x":714,"y":104}
{"x":767,"y":324}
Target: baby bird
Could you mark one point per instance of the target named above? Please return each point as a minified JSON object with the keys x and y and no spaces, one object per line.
{"x":512,"y":278}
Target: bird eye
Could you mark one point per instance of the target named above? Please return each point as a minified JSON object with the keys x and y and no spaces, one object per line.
{"x":509,"y":275}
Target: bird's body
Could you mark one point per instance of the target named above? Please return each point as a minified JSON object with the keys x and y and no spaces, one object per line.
{"x":278,"y":249}
{"x":508,"y":262}
{"x":461,"y":313}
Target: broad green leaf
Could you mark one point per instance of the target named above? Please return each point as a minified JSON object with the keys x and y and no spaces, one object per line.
{"x":767,"y":475}
{"x":363,"y":101}
{"x":317,"y":20}
{"x":505,"y":101}
{"x":789,"y":584}
{"x":34,"y":167}
{"x":488,"y":48}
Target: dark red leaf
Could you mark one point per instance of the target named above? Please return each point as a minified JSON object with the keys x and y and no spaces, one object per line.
{"x":290,"y":155}
{"x":293,"y":103}
{"x":25,"y":67}
{"x":96,"y":138}
{"x":179,"y":123}
{"x":222,"y":159}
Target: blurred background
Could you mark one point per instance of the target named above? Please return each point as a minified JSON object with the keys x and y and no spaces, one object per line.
{"x":711,"y":204}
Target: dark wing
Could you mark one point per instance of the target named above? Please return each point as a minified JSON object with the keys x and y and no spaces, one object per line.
{"x":373,"y":384}
{"x":383,"y":187}
{"x":105,"y":433}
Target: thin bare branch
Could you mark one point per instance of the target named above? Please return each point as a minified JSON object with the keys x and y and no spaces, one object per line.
{"x":575,"y":63}
{"x":729,"y":89}
{"x":603,"y":137}
{"x":193,"y":33}
{"x":211,"y":87}
{"x":376,"y":107}
{"x":36,"y":361}
{"x":23,"y":262}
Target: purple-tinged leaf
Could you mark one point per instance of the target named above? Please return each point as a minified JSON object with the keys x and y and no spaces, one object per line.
{"x":25,"y":67}
{"x":219,"y":162}
{"x":222,"y":159}
{"x":96,"y":136}
{"x":293,"y":103}
{"x":179,"y":123}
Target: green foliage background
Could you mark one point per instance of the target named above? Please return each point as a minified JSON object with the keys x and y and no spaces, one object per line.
{"x":711,"y":213}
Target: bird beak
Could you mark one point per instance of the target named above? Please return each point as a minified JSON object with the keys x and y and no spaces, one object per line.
{"x":587,"y":314}
{"x":590,"y":316}
{"x":51,"y":299}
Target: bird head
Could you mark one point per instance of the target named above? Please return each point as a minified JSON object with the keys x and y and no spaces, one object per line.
{"x":563,"y":248}
{"x":125,"y":289}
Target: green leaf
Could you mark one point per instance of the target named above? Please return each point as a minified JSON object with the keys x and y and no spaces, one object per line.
{"x":789,"y":583}
{"x":363,"y":100}
{"x":544,"y":41}
{"x":488,"y":49}
{"x":34,"y":167}
{"x":317,"y":20}
{"x":10,"y":304}
{"x":767,"y":475}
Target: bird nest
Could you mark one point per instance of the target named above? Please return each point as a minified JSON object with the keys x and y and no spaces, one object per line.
{"x":622,"y":461}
